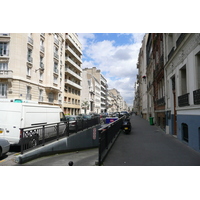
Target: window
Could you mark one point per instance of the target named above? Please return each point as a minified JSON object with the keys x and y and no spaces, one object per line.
{"x":55,"y":50}
{"x":4,"y":66}
{"x":3,"y":90}
{"x":28,"y":71}
{"x":41,"y":42}
{"x":3,"y":49}
{"x":40,"y":95}
{"x":198,"y":70}
{"x":55,"y":67}
{"x":55,"y":79}
{"x":183,"y":80}
{"x":28,"y":94}
{"x":41,"y":62}
{"x":51,"y":97}
{"x":41,"y":76}
{"x":29,"y":56}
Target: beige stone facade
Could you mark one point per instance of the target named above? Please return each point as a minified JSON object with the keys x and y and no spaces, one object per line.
{"x":103,"y":89}
{"x":41,"y":67}
{"x":73,"y":77}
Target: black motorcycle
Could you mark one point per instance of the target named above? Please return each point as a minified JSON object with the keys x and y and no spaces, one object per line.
{"x":126,"y":127}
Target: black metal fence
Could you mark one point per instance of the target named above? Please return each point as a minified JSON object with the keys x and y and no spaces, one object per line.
{"x":39,"y":135}
{"x":79,"y":125}
{"x":107,"y":135}
{"x":31,"y":137}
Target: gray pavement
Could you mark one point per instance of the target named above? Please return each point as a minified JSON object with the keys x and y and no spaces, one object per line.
{"x":148,"y":145}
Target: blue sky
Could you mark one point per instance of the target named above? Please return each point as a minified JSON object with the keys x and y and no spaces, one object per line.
{"x":116,"y":55}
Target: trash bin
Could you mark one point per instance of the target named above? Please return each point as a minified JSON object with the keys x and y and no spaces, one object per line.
{"x":151,"y":120}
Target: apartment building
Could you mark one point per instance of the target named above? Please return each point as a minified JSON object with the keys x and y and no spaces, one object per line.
{"x":173,"y":83}
{"x":103,"y":87}
{"x":31,"y":67}
{"x":142,"y":79}
{"x":159,"y":82}
{"x":73,"y":76}
{"x":117,"y":100}
{"x":182,"y":82}
{"x":90,"y":97}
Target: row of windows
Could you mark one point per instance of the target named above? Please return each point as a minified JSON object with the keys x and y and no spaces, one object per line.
{"x":73,"y":91}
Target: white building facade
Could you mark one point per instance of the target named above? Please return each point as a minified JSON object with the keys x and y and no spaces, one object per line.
{"x":182,"y":72}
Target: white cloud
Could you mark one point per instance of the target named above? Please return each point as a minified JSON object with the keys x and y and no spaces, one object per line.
{"x":117,"y":63}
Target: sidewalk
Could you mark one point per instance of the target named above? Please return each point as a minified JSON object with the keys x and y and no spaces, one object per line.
{"x":148,"y":145}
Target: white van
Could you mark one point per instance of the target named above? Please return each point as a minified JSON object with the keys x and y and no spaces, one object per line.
{"x":14,"y":116}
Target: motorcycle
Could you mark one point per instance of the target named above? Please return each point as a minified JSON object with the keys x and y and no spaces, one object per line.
{"x":126,"y":127}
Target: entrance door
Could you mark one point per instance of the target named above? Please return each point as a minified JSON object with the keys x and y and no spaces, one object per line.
{"x":175,"y":113}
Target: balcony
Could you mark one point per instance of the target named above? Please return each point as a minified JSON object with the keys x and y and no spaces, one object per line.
{"x":42,"y":49}
{"x":5,"y":34}
{"x":56,"y":41}
{"x":56,"y":70}
{"x":196,"y":95}
{"x":68,"y":59}
{"x":56,"y":55}
{"x":73,"y":84}
{"x":73,"y":53}
{"x":183,"y":100}
{"x":4,"y":53}
{"x":30,"y":59}
{"x":41,"y":65}
{"x":74,"y":44}
{"x":161,"y":101}
{"x":30,"y":40}
{"x":73,"y":73}
{"x":171,"y":53}
{"x":6,"y":74}
{"x":42,"y":34}
{"x":180,"y":39}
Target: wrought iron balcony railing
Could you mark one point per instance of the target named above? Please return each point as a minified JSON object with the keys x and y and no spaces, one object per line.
{"x":180,"y":39}
{"x":30,"y":40}
{"x":196,"y":95}
{"x":161,"y":101}
{"x":183,"y":100}
{"x":171,"y":53}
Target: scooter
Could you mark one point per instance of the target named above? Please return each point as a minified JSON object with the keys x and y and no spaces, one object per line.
{"x":126,"y":127}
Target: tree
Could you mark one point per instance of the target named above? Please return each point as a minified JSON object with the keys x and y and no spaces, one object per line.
{"x":85,"y":105}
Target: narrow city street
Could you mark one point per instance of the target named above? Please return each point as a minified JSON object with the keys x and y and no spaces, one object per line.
{"x":148,"y":145}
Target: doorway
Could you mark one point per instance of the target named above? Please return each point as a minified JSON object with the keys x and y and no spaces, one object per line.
{"x":174,"y":106}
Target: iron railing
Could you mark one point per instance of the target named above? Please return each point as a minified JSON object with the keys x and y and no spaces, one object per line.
{"x":180,"y":39}
{"x":161,"y":101}
{"x":183,"y":100}
{"x":107,"y":135}
{"x":196,"y":95}
{"x":81,"y":124}
{"x":39,"y":135}
{"x":171,"y":53}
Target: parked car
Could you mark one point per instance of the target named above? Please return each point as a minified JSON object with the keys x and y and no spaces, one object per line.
{"x":75,"y":122}
{"x":85,"y":117}
{"x":4,"y":146}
